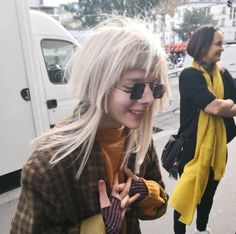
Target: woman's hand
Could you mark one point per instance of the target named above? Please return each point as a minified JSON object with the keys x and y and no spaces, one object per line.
{"x":137,"y":185}
{"x":130,"y":174}
{"x":110,"y":207}
{"x":113,"y":210}
{"x":127,"y":200}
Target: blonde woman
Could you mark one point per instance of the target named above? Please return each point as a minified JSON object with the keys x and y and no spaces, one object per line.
{"x":100,"y":162}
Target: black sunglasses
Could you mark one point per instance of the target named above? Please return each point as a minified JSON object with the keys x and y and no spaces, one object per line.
{"x":136,"y":92}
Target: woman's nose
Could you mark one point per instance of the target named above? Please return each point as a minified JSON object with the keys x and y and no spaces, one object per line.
{"x":147,"y":97}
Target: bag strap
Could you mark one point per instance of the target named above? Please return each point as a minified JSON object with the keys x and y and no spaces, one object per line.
{"x":187,"y":132}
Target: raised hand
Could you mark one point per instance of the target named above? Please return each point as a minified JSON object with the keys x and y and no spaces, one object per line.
{"x":127,"y":200}
{"x":114,"y":208}
{"x":137,"y":185}
{"x":130,"y":174}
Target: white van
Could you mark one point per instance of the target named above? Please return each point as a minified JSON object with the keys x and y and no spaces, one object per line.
{"x":33,"y":51}
{"x":227,"y":60}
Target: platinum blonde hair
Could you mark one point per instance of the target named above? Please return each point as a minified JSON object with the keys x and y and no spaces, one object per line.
{"x":113,"y":47}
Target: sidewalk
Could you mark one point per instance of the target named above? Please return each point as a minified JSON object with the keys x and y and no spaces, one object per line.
{"x":223,"y":215}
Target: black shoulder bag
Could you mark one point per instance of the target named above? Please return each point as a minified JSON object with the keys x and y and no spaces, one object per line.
{"x":171,"y":154}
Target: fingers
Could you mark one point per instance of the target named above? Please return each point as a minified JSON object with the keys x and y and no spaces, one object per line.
{"x":134,"y":198}
{"x":129,"y":173}
{"x":123,"y":213}
{"x":127,"y":201}
{"x":124,"y":202}
{"x":116,"y":187}
{"x":126,"y":189}
{"x":120,"y":191}
{"x":116,"y":180}
{"x":120,"y":187}
{"x":104,"y":200}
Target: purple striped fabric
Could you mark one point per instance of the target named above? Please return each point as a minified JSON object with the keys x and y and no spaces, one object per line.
{"x":112,"y":216}
{"x":138,"y":187}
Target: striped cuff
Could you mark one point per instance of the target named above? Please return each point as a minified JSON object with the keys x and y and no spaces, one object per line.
{"x":138,"y":187}
{"x":112,"y":216}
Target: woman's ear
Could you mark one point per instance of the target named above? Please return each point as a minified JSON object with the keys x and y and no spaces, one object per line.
{"x":202,"y":54}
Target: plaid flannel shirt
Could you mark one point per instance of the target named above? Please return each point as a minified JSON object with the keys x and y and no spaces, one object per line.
{"x":52,"y":201}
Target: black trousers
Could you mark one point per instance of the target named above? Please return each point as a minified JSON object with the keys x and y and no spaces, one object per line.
{"x":203,"y":209}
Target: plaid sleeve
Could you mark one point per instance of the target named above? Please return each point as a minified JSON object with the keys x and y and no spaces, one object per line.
{"x":151,"y":174}
{"x":36,"y":210}
{"x":150,"y":169}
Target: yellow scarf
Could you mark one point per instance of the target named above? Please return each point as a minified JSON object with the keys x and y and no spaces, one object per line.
{"x":210,"y":152}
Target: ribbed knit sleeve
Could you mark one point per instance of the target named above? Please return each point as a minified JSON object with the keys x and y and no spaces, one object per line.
{"x":154,"y":203}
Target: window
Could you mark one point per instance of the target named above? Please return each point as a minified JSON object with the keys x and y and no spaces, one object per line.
{"x":234,"y":12}
{"x":224,"y":10}
{"x":56,"y":54}
{"x":155,"y":27}
{"x":231,"y":12}
{"x":207,"y":11}
{"x":233,"y":23}
{"x":222,"y":23}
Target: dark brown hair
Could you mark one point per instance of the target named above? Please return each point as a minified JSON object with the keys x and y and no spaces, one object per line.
{"x":200,"y":42}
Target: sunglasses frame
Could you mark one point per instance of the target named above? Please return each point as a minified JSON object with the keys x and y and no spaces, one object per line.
{"x":136,"y":93}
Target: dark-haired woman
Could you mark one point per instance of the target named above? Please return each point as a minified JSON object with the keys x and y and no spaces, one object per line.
{"x":207,"y":97}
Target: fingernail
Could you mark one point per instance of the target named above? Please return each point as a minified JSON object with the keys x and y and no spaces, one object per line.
{"x":101,"y":181}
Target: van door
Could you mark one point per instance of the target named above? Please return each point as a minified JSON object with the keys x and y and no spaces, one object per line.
{"x":16,"y":121}
{"x":55,"y":54}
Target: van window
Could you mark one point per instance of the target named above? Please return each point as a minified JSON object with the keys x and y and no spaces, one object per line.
{"x":56,"y":54}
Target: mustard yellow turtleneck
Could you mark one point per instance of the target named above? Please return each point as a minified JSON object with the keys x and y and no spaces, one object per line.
{"x":112,"y":142}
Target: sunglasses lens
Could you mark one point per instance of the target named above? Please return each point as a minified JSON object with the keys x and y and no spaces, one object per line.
{"x":137,"y":91}
{"x":158,"y":91}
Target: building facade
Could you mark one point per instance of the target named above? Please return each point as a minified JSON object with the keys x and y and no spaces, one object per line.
{"x":224,"y":15}
{"x":164,"y":29}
